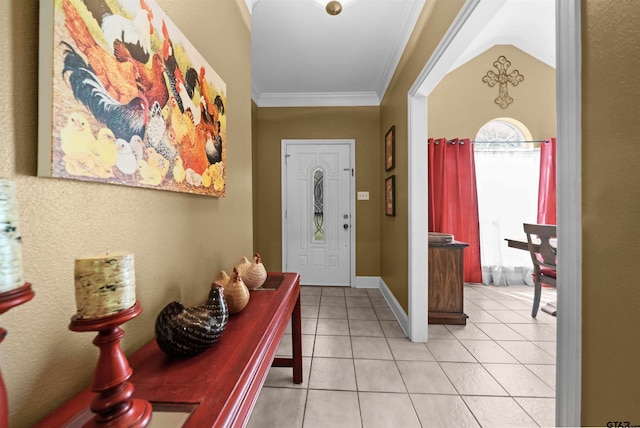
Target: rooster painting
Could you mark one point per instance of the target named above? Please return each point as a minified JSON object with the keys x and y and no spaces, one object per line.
{"x":131,"y":104}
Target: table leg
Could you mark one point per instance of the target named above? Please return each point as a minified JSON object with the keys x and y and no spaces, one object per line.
{"x":296,"y":341}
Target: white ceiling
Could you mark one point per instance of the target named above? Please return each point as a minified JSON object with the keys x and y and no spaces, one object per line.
{"x":302,"y":56}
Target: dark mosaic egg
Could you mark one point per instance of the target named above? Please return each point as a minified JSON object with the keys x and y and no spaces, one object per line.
{"x":185,"y":332}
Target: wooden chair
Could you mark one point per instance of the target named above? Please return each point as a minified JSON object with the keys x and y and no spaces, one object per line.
{"x":543,"y":256}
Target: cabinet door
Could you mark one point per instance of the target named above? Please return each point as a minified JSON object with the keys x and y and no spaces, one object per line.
{"x":445,"y":279}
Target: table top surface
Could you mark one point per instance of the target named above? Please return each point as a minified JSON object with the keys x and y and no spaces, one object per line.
{"x":521,"y":243}
{"x":454,"y":244}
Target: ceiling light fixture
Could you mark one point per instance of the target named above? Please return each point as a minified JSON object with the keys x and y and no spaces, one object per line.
{"x":334,"y":7}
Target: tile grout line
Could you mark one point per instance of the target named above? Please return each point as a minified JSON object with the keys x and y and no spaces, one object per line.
{"x":439,"y":363}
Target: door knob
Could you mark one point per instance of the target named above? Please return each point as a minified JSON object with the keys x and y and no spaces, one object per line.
{"x":345,"y":226}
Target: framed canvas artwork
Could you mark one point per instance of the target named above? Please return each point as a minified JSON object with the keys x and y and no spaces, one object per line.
{"x":389,"y":149}
{"x":126,"y":99}
{"x":390,"y":196}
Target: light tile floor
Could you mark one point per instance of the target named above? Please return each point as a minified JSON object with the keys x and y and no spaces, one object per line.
{"x":361,"y":371}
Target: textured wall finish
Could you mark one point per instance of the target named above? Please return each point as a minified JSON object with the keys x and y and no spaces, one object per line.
{"x":610,"y":207}
{"x":461,"y":104}
{"x":430,"y":28}
{"x":180,"y":241}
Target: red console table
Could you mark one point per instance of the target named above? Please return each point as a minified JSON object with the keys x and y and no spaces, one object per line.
{"x":219,"y":387}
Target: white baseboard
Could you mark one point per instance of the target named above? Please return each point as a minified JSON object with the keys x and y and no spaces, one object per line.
{"x":367,"y":282}
{"x":377,"y":282}
{"x":395,"y":307}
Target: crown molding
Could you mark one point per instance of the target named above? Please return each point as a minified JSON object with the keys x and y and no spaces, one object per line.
{"x":411,"y":15}
{"x":250,"y":4}
{"x":255,"y":93}
{"x":316,"y":99}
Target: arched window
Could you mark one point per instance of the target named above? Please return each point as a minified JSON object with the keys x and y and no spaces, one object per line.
{"x":503,"y":134}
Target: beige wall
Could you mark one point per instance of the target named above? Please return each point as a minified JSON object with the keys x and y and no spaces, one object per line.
{"x":431,"y":27}
{"x":610,"y":207}
{"x":180,"y":241}
{"x":461,"y":103}
{"x":359,"y":123}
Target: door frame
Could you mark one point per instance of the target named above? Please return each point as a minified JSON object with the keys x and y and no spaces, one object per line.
{"x":352,"y":192}
{"x":568,"y":100}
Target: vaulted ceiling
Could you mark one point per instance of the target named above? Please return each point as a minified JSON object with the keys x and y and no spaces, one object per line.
{"x":302,"y":56}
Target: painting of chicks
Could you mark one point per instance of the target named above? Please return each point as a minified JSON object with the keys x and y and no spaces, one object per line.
{"x":132,"y":102}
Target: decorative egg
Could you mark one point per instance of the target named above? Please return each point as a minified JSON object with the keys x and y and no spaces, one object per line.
{"x":184,"y":332}
{"x":236,"y":293}
{"x":253,"y":274}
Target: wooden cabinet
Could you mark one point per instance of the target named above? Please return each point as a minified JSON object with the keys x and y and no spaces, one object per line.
{"x":446,"y":283}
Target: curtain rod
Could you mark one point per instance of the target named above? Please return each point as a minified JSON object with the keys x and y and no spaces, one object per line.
{"x":506,"y":142}
{"x":495,"y":142}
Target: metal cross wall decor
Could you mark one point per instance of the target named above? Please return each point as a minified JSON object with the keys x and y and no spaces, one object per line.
{"x":502,"y":79}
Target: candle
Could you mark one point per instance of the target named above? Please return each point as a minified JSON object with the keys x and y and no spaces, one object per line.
{"x":104,"y":284}
{"x":11,"y":275}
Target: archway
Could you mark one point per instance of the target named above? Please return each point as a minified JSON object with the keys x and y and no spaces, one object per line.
{"x":568,"y":389}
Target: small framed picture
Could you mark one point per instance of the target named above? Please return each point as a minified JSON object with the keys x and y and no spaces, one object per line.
{"x":390,"y":196}
{"x":389,"y":149}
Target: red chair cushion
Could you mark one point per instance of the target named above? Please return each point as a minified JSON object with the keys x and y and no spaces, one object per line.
{"x":548,"y":272}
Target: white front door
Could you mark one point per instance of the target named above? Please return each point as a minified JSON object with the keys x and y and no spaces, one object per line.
{"x":317,"y":217}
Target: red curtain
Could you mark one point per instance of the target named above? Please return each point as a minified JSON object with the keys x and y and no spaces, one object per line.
{"x":547,"y":186}
{"x":453,"y":198}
